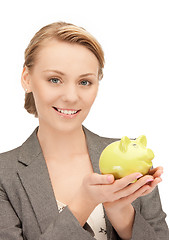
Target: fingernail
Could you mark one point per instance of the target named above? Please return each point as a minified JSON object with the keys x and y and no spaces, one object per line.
{"x":149,"y":180}
{"x":110,"y":178}
{"x":139,"y":175}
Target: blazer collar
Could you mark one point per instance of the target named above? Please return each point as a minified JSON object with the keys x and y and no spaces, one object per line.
{"x":31,"y":148}
{"x":34,"y":175}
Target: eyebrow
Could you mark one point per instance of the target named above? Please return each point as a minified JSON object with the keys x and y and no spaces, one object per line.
{"x":63,"y":74}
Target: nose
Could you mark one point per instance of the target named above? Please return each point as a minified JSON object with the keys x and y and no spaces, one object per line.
{"x":70,"y":93}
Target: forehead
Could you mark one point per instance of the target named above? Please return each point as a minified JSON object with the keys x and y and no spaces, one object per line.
{"x":61,"y":54}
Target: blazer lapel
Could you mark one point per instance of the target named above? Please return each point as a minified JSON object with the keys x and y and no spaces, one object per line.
{"x":35,"y":179}
{"x":95,"y":145}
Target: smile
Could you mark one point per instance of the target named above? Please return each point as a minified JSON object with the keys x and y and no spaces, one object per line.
{"x":66,"y":112}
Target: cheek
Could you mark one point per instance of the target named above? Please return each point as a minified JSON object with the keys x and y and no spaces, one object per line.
{"x":90,"y":98}
{"x":94,"y":94}
{"x":43,"y":96}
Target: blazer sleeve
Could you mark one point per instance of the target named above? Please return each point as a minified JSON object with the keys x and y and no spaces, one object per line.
{"x":65,"y":226}
{"x":10,"y":226}
{"x":150,"y":221}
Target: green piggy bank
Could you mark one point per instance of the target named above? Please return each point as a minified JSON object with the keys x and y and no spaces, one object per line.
{"x":126,"y":156}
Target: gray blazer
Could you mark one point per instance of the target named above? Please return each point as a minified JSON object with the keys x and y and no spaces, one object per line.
{"x":28,"y":209}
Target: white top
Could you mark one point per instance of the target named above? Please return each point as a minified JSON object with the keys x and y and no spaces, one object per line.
{"x":96,"y":221}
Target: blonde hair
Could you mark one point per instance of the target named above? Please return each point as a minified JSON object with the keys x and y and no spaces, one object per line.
{"x":65,"y":32}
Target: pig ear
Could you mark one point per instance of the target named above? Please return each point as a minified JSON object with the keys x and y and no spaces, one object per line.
{"x":124,"y":144}
{"x":143,"y":140}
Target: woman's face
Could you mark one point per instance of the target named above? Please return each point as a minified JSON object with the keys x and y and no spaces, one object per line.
{"x":64,"y":83}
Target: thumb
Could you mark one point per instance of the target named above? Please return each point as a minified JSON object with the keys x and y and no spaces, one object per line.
{"x":110,"y":178}
{"x":104,"y":178}
{"x":99,"y":179}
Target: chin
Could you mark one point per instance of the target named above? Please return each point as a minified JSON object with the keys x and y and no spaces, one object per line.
{"x":67,"y":127}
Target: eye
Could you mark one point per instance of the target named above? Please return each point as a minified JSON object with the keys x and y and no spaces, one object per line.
{"x":54,"y":80}
{"x":85,"y":83}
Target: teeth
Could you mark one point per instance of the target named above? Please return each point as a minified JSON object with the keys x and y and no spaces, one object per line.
{"x":66,"y":111}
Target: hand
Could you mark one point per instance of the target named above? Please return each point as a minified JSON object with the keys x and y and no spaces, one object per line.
{"x":91,"y":192}
{"x":156,"y":173}
{"x":97,"y":188}
{"x":142,"y":187}
{"x":117,"y":194}
{"x":121,"y":212}
{"x":104,"y":188}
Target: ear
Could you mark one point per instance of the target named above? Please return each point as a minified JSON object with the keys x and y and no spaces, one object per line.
{"x":142,"y":139}
{"x":26,"y":80}
{"x":124,"y":144}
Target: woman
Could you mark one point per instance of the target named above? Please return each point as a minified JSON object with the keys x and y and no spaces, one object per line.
{"x":50,"y":187}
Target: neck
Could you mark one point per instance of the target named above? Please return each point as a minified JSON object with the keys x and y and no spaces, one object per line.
{"x":55,"y":143}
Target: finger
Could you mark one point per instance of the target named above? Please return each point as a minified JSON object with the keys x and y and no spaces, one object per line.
{"x":132,"y":188}
{"x":157,"y":171}
{"x":132,"y":197}
{"x":139,"y":193}
{"x":142,"y":187}
{"x":147,"y":179}
{"x":125,"y":181}
{"x":156,"y":174}
{"x":152,"y":185}
{"x":98,"y":179}
{"x":145,"y":189}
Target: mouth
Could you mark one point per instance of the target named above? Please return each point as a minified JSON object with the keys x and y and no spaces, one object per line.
{"x":68,"y":112}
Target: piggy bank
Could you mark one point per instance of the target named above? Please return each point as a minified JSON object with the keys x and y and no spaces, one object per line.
{"x":126,"y":156}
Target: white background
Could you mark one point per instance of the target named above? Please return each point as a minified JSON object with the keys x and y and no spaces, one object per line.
{"x":133,"y":97}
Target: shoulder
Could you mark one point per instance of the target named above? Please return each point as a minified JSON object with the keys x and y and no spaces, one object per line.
{"x":9,"y":158}
{"x":97,"y":139}
{"x":8,"y":166}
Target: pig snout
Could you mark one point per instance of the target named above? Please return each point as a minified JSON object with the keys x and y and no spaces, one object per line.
{"x":150,"y":154}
